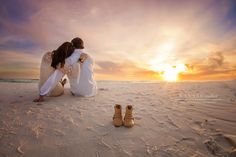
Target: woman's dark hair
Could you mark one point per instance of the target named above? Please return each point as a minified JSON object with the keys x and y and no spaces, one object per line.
{"x":61,"y":53}
{"x":78,"y":43}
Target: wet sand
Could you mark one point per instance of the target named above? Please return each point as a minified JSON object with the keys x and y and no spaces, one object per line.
{"x":184,"y":119}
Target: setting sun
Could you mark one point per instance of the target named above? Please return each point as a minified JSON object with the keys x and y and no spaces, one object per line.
{"x":171,"y":73}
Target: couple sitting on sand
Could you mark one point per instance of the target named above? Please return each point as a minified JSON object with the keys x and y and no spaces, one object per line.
{"x":69,"y":59}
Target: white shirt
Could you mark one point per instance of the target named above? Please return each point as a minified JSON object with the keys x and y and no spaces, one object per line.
{"x":80,"y":76}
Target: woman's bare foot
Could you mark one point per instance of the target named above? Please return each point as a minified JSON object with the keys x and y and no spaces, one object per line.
{"x":39,"y":99}
{"x":63,"y":82}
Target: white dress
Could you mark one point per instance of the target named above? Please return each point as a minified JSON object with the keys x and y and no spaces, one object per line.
{"x":45,"y":71}
{"x":82,"y":81}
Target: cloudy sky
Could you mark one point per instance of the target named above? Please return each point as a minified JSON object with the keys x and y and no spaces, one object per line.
{"x":130,"y":40}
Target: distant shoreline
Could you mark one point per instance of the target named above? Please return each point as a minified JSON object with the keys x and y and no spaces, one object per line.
{"x":19,"y":80}
{"x":117,"y":81}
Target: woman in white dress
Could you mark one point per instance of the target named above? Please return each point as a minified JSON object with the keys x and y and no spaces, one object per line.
{"x":45,"y":71}
{"x":83,"y":83}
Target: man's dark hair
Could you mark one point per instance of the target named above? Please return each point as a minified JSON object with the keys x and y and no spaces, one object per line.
{"x":78,"y":43}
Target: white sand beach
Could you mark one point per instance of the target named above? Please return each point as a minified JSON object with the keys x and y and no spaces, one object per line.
{"x":178,"y":119}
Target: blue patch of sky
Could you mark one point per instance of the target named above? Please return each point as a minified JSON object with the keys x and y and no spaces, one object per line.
{"x":231,"y":16}
{"x":2,"y":30}
{"x":221,"y":23}
{"x":17,"y":11}
{"x":18,"y":45}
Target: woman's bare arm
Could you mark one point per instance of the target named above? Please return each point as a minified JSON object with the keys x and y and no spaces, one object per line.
{"x":49,"y":84}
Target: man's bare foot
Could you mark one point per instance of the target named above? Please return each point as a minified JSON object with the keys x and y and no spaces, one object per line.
{"x":39,"y":99}
{"x":63,"y":82}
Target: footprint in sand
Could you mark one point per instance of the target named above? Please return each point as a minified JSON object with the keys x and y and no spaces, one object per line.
{"x":137,"y":118}
{"x":103,"y":89}
{"x":226,"y":141}
{"x":188,"y":140}
{"x":143,"y":109}
{"x":171,"y":122}
{"x":214,"y":148}
{"x":129,"y":100}
{"x":222,"y":145}
{"x":199,"y":126}
{"x":15,"y":102}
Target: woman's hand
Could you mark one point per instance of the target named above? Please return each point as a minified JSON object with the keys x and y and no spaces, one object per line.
{"x":39,"y":99}
{"x":83,"y":57}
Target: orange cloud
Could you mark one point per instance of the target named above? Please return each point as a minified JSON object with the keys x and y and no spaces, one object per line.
{"x":214,"y":67}
{"x":125,"y":70}
{"x":19,"y":65}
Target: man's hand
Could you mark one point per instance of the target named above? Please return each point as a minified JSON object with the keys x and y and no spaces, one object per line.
{"x":66,"y":69}
{"x":83,"y":57}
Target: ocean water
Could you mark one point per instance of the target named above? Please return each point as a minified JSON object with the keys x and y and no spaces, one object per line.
{"x":101,"y":81}
{"x":114,"y":81}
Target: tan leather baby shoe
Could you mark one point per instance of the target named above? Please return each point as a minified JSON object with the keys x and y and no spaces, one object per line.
{"x":129,"y":119}
{"x":117,"y":118}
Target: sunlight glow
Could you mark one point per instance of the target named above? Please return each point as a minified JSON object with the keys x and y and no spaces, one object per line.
{"x":161,"y":54}
{"x":167,"y":47}
{"x":159,"y":62}
{"x":171,"y":73}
